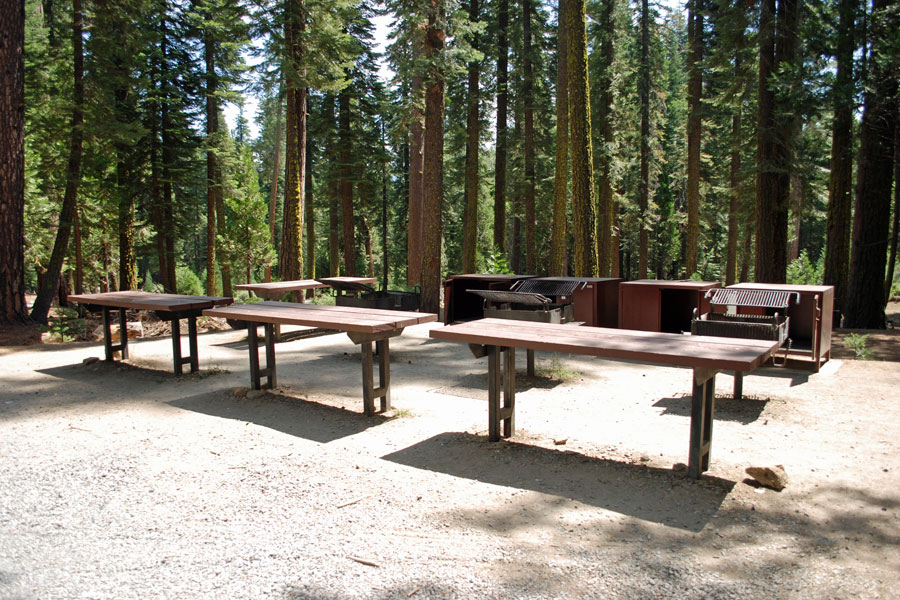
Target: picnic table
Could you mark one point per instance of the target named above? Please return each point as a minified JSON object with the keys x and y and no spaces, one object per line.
{"x":168,"y":307}
{"x":274,"y":290}
{"x":705,"y":355}
{"x":362,"y":325}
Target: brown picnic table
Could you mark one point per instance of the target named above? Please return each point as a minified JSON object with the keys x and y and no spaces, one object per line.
{"x":705,"y":355}
{"x":168,"y":307}
{"x":362,"y":325}
{"x":274,"y":290}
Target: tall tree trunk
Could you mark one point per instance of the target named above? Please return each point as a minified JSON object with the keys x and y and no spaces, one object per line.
{"x":221,"y":233}
{"x":416,"y":175}
{"x":607,"y":241}
{"x":796,"y":204}
{"x":734,"y":194}
{"x":333,"y":185}
{"x":583,"y":225}
{"x":347,"y":216}
{"x":895,"y":228}
{"x":434,"y":158}
{"x":276,"y":172}
{"x":69,"y":212}
{"x":12,"y":162}
{"x":212,"y":168}
{"x":694,"y":131}
{"x":528,"y":93}
{"x":501,"y":144}
{"x":644,"y":99}
{"x":79,"y":255}
{"x":840,"y":180}
{"x":291,"y":258}
{"x":865,"y":297}
{"x":473,"y":138}
{"x":127,"y":257}
{"x":774,"y":154}
{"x":170,"y":282}
{"x":561,"y":175}
{"x":309,"y":216}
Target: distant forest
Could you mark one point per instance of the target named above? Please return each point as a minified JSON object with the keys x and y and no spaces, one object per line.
{"x":722,"y":140}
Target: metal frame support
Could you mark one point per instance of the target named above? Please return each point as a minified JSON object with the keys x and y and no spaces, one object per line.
{"x":122,"y":346}
{"x":703,"y":407}
{"x":738,"y":385}
{"x":269,"y":372}
{"x":506,"y":377}
{"x":529,"y":355}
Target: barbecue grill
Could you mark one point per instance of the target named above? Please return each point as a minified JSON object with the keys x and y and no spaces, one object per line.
{"x":546,"y":301}
{"x":747,"y":314}
{"x":363,"y":295}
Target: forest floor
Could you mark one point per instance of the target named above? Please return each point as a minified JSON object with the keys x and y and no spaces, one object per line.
{"x":124,"y":481}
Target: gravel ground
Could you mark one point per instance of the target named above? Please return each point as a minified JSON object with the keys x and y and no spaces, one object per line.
{"x":123,"y":481}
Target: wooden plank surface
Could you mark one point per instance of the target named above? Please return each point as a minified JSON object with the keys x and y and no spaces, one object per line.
{"x":662,"y":348}
{"x":341,"y":318}
{"x":138,"y":300}
{"x":281,"y":286}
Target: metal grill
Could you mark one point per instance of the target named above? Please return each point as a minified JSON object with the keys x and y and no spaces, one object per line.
{"x":503,"y":297}
{"x":752,"y":298}
{"x":547,"y":287}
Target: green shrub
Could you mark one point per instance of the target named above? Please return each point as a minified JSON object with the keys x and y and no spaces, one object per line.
{"x":857,"y":343}
{"x":186,"y":282}
{"x":801,"y":271}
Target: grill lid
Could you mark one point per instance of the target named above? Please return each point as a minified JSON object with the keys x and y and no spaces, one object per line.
{"x":755,"y":298}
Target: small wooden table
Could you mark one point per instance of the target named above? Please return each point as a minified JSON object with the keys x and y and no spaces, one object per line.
{"x":706,"y":355}
{"x":362,"y":325}
{"x":169,"y":307}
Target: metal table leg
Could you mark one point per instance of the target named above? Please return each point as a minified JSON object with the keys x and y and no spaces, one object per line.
{"x":501,"y":415}
{"x":269,"y":372}
{"x":122,"y":346}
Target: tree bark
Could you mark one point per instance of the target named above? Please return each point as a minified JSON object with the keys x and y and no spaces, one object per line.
{"x":309,"y":217}
{"x":865,"y":297}
{"x":501,"y":144}
{"x":69,"y":212}
{"x":734,"y":195}
{"x":434,"y":158}
{"x":12,"y":162}
{"x":561,"y":176}
{"x":694,"y":132}
{"x":895,"y":227}
{"x":528,"y":100}
{"x":276,"y":172}
{"x":212,"y":180}
{"x":473,"y":138}
{"x":347,"y":216}
{"x":840,"y":179}
{"x":416,"y":175}
{"x":607,"y":240}
{"x":584,"y":227}
{"x":291,"y":258}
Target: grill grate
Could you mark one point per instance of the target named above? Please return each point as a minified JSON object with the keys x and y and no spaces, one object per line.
{"x":546,"y":287}
{"x":755,"y":298}
{"x":499,"y":296}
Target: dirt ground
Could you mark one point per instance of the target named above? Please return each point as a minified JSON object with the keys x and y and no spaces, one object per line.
{"x":591,"y":478}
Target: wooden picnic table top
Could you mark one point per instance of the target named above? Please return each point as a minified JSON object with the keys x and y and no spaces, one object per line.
{"x":718,"y":353}
{"x":139,"y":300}
{"x":341,"y":318}
{"x":295,"y":285}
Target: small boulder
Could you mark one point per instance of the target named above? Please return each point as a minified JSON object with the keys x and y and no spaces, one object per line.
{"x":90,"y":360}
{"x":240,"y":393}
{"x":771,"y":477}
{"x":255,"y":393}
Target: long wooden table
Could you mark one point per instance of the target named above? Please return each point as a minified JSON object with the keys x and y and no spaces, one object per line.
{"x":363,"y":325}
{"x":705,"y":355}
{"x":169,"y":307}
{"x":274,"y":290}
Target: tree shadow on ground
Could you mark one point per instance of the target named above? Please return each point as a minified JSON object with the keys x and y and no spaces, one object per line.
{"x":745,"y":411}
{"x":292,"y":415}
{"x":653,"y":494}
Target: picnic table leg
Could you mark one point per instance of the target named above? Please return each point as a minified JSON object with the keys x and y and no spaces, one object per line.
{"x":368,"y":376}
{"x":383,"y":349}
{"x":122,"y":346}
{"x":703,"y":406}
{"x":529,"y":354}
{"x":192,"y":343}
{"x":508,"y":411}
{"x":269,"y":372}
{"x":175,"y":323}
{"x":493,"y":354}
{"x":738,"y":385}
